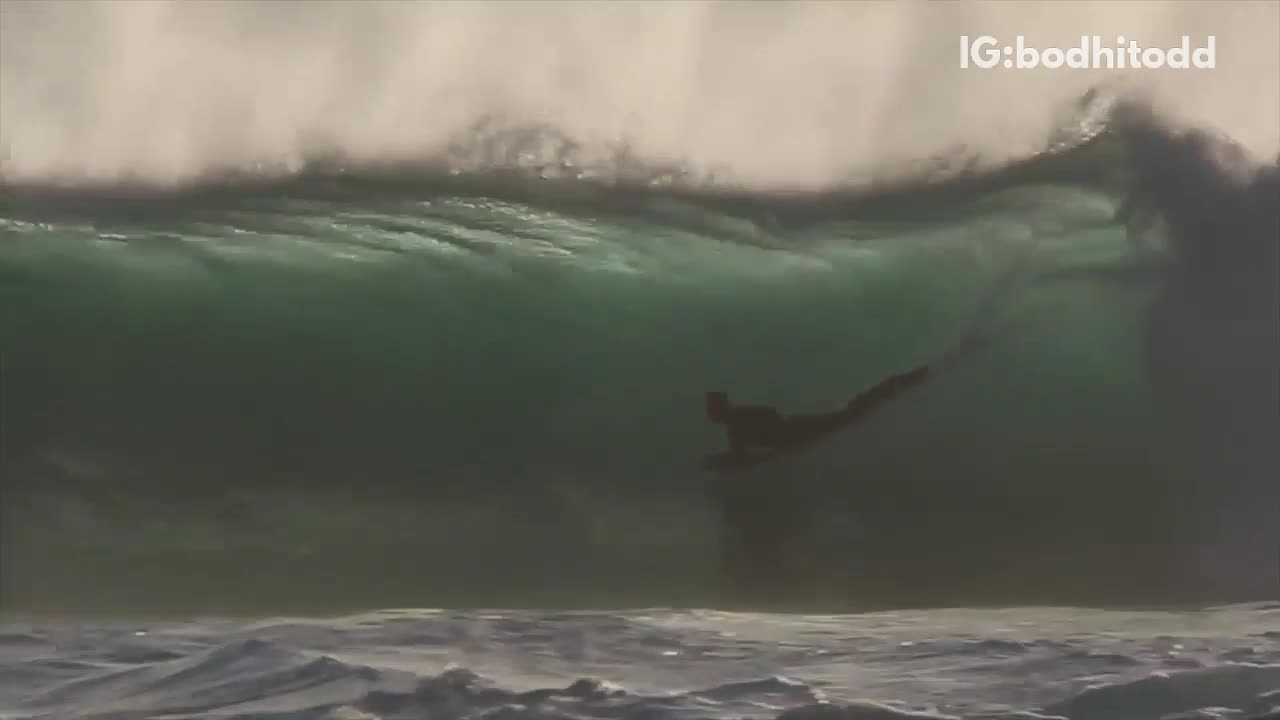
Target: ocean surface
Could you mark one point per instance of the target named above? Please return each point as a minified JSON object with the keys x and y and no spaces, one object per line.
{"x":1220,"y":663}
{"x":353,"y":361}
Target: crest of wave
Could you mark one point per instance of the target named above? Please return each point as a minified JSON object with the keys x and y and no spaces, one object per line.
{"x":770,"y":95}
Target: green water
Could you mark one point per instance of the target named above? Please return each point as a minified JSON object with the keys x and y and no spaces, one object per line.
{"x":365,"y":395}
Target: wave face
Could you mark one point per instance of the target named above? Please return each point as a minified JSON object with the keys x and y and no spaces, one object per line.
{"x":476,"y":390}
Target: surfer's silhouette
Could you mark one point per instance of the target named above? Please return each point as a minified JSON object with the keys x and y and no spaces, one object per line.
{"x":761,"y":520}
{"x":760,"y":432}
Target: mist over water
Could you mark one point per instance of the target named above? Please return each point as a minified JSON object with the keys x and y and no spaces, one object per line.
{"x":768,"y":95}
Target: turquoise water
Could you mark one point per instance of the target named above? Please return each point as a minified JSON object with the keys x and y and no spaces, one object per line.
{"x":453,"y":390}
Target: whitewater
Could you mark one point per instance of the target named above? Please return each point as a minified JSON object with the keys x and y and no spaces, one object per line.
{"x":1045,"y":664}
{"x":353,"y":360}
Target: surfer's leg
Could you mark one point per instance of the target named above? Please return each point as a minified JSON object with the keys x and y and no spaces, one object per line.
{"x":910,"y":378}
{"x":872,"y":399}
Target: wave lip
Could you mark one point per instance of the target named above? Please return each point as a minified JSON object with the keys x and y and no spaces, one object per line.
{"x":258,"y":86}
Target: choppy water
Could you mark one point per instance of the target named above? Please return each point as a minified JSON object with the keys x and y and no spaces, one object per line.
{"x":1011,"y":664}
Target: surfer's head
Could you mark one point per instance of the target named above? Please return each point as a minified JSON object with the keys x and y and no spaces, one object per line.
{"x":717,"y":406}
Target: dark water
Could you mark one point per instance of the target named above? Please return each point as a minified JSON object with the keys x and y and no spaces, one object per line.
{"x":351,"y":392}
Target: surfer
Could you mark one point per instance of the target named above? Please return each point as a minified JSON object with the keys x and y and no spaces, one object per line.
{"x":760,"y":523}
{"x":763,"y":525}
{"x":756,"y":431}
{"x":763,"y":528}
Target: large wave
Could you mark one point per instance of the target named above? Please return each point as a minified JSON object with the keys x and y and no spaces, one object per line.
{"x":475,"y":374}
{"x":483,"y":380}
